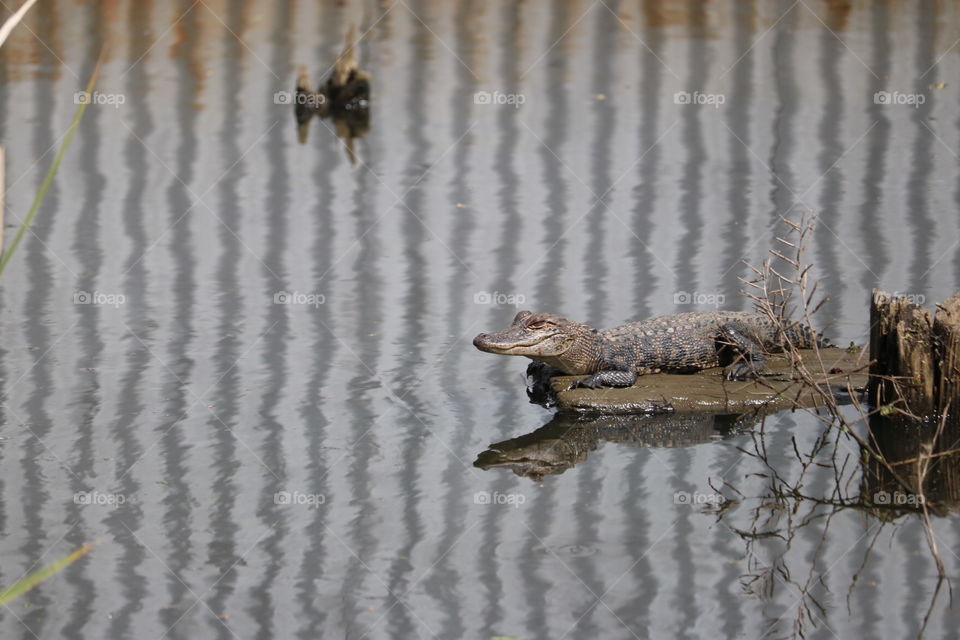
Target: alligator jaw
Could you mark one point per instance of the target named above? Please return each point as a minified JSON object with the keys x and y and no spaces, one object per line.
{"x":488,"y":342}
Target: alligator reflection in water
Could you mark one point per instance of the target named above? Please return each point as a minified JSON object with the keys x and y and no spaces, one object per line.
{"x":568,"y":439}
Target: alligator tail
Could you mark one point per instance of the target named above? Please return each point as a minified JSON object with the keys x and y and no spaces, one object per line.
{"x":805,"y":337}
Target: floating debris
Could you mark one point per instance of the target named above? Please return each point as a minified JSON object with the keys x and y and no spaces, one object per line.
{"x":344,"y":97}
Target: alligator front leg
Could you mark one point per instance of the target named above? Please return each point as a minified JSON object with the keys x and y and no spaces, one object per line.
{"x":750,"y":357}
{"x":622,"y":376}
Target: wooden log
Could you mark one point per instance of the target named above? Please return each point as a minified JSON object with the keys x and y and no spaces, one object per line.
{"x":902,"y":354}
{"x":709,"y":392}
{"x":921,"y":361}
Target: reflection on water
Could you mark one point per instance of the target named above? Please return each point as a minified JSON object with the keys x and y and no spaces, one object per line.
{"x":900,"y":469}
{"x":918,"y":465}
{"x":568,"y":439}
{"x":297,"y":327}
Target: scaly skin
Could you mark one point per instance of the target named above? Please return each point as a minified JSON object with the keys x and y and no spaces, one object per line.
{"x":678,"y":343}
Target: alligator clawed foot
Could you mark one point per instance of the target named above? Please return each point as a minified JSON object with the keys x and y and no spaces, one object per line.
{"x":741,"y":371}
{"x":583,"y":383}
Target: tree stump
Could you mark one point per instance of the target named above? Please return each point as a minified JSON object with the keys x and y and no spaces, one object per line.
{"x":946,"y":334}
{"x":915,"y":355}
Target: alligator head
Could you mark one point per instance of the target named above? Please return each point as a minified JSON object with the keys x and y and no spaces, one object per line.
{"x":565,"y":344}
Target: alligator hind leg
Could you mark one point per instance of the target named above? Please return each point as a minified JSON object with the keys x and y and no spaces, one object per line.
{"x":749,"y":361}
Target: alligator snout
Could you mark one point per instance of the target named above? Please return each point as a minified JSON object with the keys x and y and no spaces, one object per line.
{"x":481,"y":340}
{"x":495,"y":343}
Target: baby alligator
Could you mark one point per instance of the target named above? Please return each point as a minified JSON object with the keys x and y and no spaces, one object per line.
{"x":678,"y":343}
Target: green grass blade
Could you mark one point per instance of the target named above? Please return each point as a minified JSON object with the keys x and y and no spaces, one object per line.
{"x":25,"y":584}
{"x":50,"y":173}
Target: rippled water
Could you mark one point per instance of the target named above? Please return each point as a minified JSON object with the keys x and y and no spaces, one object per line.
{"x":148,"y":360}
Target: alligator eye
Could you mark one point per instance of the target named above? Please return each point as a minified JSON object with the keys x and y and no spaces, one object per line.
{"x":542,"y":324}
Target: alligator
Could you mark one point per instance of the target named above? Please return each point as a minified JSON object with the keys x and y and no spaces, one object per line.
{"x":677,"y":343}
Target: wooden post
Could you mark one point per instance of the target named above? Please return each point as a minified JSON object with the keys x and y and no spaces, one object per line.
{"x":946,"y":334}
{"x":902,"y":355}
{"x":915,"y":355}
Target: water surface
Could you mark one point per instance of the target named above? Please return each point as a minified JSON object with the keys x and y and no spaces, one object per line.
{"x":256,"y":353}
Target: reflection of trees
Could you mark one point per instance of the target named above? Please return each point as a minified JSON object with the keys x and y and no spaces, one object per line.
{"x":925,"y":459}
{"x":924,"y":454}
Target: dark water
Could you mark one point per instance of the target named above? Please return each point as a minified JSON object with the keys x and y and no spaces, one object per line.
{"x":147,"y":357}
